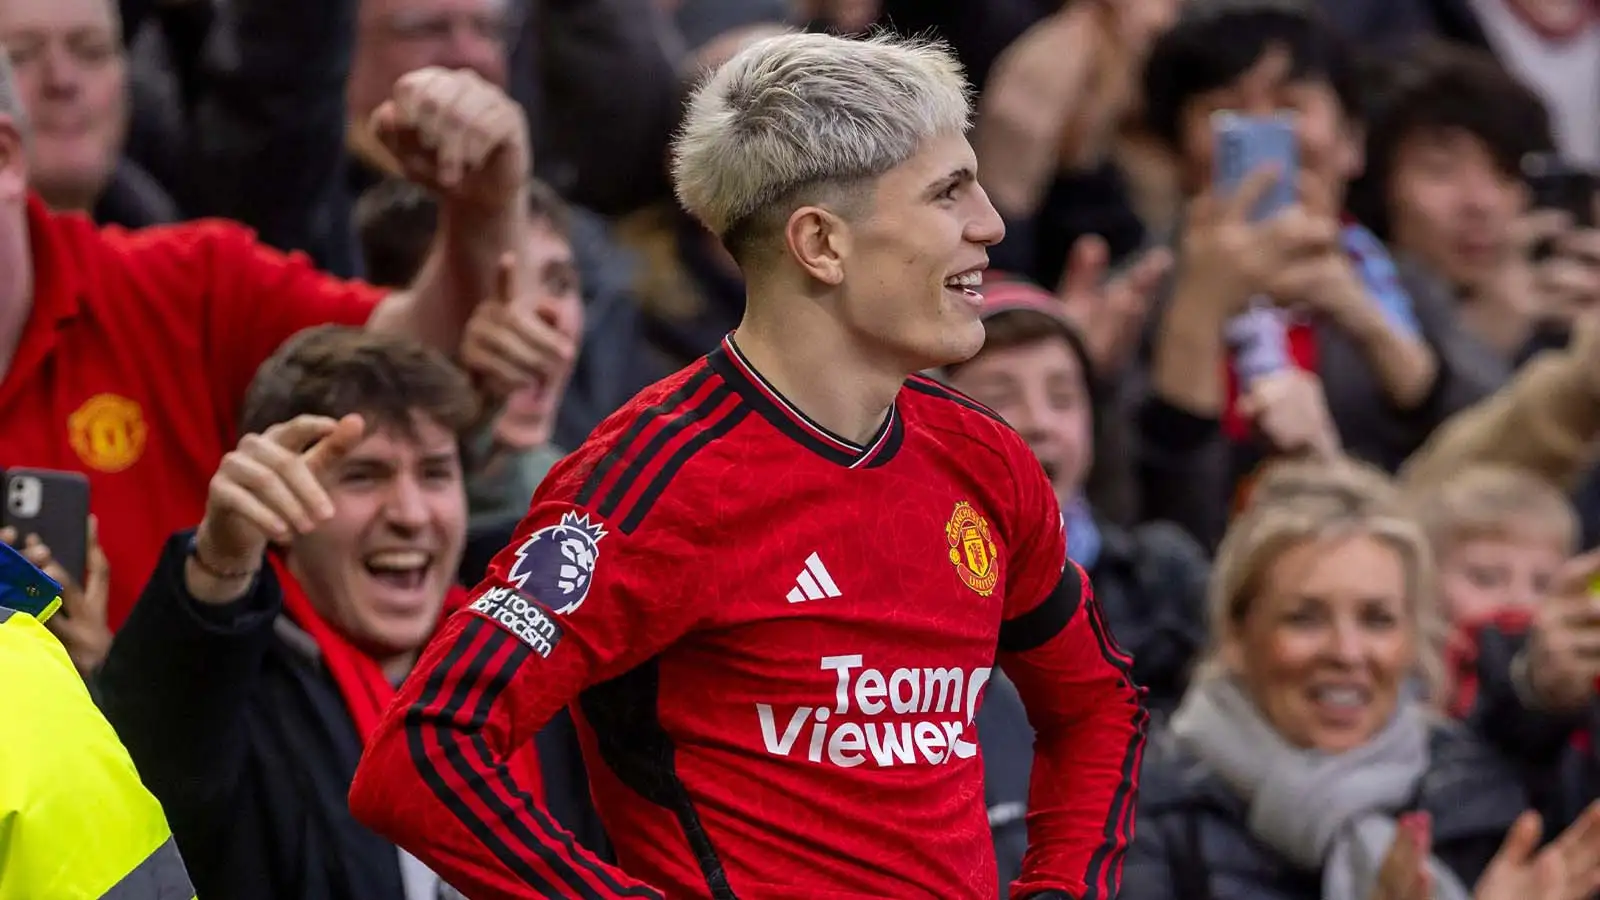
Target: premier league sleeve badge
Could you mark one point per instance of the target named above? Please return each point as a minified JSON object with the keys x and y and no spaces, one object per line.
{"x":556,"y":564}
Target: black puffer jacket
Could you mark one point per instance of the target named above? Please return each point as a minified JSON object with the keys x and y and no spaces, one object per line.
{"x":1151,"y":584}
{"x":1192,"y":842}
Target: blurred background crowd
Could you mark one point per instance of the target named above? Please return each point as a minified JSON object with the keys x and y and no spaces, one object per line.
{"x":1333,"y":473}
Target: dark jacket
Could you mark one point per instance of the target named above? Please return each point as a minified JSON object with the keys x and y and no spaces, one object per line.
{"x":1151,"y":584}
{"x":241,"y":734}
{"x":134,"y":199}
{"x":1007,"y":742}
{"x":1554,"y":753}
{"x":1192,"y":842}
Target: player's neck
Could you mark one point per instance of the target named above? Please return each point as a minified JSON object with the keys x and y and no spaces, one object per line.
{"x":835,"y":385}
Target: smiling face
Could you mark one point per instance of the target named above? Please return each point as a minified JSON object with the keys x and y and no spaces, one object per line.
{"x":72,"y":74}
{"x":1328,"y":641}
{"x":908,"y":265}
{"x":380,"y":568}
{"x":1452,"y":207}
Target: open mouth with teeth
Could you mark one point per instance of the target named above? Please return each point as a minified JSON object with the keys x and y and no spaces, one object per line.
{"x":403,"y":569}
{"x":1340,"y":704}
{"x":969,"y":282}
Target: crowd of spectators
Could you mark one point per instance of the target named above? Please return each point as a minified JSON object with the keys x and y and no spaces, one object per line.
{"x":435,"y":241}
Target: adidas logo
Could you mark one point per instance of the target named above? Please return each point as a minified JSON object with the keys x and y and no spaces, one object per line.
{"x":813,"y":583}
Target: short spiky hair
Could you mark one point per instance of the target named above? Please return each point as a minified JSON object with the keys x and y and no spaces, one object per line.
{"x":796,"y":118}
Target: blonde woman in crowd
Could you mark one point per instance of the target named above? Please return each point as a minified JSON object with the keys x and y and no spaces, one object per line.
{"x":1302,"y":763}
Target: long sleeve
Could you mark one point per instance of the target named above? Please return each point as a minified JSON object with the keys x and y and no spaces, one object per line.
{"x":1086,"y":711}
{"x":177,"y":687}
{"x":578,"y":598}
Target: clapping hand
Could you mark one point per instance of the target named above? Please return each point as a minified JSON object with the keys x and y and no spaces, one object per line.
{"x":1567,"y":869}
{"x":1404,"y":874}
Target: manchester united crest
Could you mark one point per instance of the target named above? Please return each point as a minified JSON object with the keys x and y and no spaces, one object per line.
{"x":108,"y":431}
{"x":972,"y":549}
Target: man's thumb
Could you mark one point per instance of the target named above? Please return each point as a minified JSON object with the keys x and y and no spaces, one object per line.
{"x":344,"y":436}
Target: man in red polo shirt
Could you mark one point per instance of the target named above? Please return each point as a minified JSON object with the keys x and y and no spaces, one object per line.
{"x":125,"y":355}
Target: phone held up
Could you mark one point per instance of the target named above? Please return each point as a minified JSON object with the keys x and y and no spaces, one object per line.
{"x":53,"y":505}
{"x":1557,"y":184}
{"x":1244,"y":145}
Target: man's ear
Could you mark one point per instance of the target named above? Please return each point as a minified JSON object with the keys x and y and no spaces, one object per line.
{"x":819,"y":240}
{"x":13,"y":160}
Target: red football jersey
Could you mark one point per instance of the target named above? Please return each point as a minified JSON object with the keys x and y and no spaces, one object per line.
{"x":774,"y":641}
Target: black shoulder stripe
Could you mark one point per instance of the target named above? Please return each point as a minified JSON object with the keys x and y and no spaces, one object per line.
{"x":935,"y":389}
{"x":1037,"y":626}
{"x":626,"y":444}
{"x":646,"y":456}
{"x":658,"y":484}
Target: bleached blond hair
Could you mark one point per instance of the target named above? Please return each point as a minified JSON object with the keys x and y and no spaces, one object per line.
{"x":803,"y":119}
{"x":1338,"y":503}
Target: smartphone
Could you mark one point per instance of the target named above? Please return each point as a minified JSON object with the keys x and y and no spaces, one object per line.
{"x":1245,"y":144}
{"x":55,"y":506}
{"x":1557,"y":184}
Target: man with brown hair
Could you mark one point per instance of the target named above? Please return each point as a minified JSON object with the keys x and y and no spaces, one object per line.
{"x":266,"y":644}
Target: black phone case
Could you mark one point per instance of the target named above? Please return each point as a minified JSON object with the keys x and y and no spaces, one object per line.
{"x":61,"y":516}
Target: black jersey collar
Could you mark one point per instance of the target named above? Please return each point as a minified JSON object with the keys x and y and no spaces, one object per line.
{"x":734,"y":369}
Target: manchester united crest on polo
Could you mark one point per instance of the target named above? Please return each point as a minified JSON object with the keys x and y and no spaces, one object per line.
{"x":972,"y":549}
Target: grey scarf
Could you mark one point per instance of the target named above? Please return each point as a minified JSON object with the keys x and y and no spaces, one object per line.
{"x":1319,"y":811}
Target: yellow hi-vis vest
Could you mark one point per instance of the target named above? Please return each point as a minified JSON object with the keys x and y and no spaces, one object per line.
{"x":75,"y":821}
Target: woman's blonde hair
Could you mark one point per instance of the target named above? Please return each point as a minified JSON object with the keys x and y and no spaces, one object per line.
{"x":1314,"y":502}
{"x":1496,"y":502}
